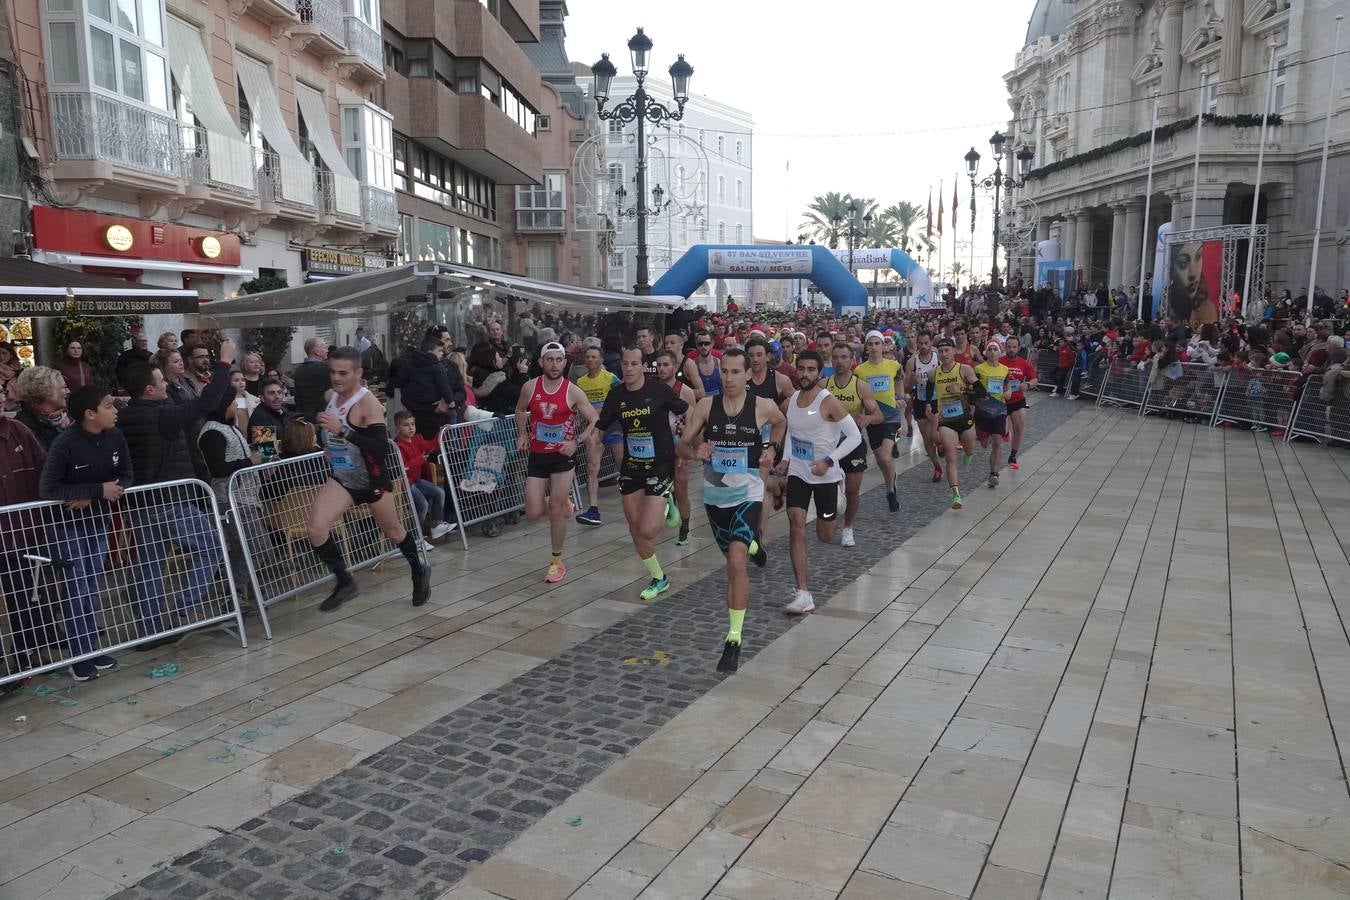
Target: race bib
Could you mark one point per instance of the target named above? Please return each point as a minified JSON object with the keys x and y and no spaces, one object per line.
{"x":995,"y":385}
{"x":641,"y":446}
{"x":340,"y":455}
{"x":731,"y":460}
{"x":1014,"y":385}
{"x":953,"y":409}
{"x":879,"y":384}
{"x":550,"y":434}
{"x":803,"y":450}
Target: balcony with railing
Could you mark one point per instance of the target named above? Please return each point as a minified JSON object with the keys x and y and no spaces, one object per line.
{"x":379,"y":210}
{"x":321,"y":28}
{"x":107,"y":132}
{"x":221,"y":163}
{"x":285,"y":182}
{"x":365,"y":50}
{"x":336,"y":196}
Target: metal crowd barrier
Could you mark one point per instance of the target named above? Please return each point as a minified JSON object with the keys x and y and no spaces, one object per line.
{"x":1124,"y":385}
{"x":80,"y":583}
{"x":1046,"y":363}
{"x":609,"y":471}
{"x":270,"y":504}
{"x":1259,"y":397}
{"x":1090,"y":382}
{"x":1316,"y":418}
{"x":1195,"y":393}
{"x":484,"y":473}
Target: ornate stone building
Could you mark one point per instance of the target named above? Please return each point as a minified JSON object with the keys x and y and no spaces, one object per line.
{"x":1081,"y":93}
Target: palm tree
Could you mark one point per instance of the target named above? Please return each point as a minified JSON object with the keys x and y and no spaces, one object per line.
{"x":881,"y":233}
{"x":907,"y":218}
{"x":822,"y":215}
{"x":957,"y":270}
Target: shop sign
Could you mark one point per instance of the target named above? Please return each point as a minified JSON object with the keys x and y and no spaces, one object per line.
{"x":119,"y":238}
{"x":323,"y":261}
{"x":13,"y":306}
{"x":210,"y":246}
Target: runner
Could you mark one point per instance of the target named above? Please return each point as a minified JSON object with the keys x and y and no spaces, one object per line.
{"x":765,"y":381}
{"x":646,"y":341}
{"x":545,"y":426}
{"x":685,"y":369}
{"x":991,"y":411}
{"x":880,"y":374}
{"x":952,"y":380}
{"x":596,"y":382}
{"x":919,"y":384}
{"x":965,"y":354}
{"x":1021,"y":377}
{"x":706,"y":361}
{"x":821,"y":435}
{"x":856,"y":397}
{"x":666,"y":361}
{"x":356,"y":443}
{"x":727,"y":434}
{"x":643,"y":407}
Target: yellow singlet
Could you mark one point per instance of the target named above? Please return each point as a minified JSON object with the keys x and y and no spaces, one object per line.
{"x":993,"y":377}
{"x":881,"y":378}
{"x":847,"y":395}
{"x":951,"y":393}
{"x":597,"y":388}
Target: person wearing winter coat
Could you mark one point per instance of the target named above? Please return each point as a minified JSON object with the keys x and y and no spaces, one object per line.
{"x":425,"y":388}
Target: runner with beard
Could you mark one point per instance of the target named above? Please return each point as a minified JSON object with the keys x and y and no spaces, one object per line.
{"x":685,"y":371}
{"x":919,"y":383}
{"x":955,"y":382}
{"x":666,"y":361}
{"x":706,"y":363}
{"x":643,"y":406}
{"x":767,"y":382}
{"x":821,"y":435}
{"x":646,"y":341}
{"x":856,"y":397}
{"x":1021,"y":377}
{"x":727,"y":434}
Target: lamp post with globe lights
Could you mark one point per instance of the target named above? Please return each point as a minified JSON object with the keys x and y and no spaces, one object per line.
{"x":1024,"y":156}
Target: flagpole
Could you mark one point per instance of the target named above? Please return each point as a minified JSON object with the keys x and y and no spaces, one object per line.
{"x":1195,"y":173}
{"x":1256,"y":197}
{"x":1148,"y":206}
{"x":940,"y":187}
{"x":1322,"y":183}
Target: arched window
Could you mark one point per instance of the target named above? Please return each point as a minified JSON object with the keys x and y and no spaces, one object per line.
{"x":738,"y":151}
{"x":740,"y":233}
{"x":721,"y":232}
{"x":721,"y":189}
{"x":721,"y":146}
{"x":740,"y":192}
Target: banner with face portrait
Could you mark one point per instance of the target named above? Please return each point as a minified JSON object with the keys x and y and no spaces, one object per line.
{"x":1195,"y":281}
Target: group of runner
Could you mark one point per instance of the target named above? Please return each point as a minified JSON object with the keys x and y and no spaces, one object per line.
{"x":734,"y":416}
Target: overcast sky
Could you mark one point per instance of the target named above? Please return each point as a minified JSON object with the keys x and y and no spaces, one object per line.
{"x":881,"y":98}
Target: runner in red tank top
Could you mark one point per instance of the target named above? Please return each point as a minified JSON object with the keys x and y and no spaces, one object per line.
{"x":545,"y":426}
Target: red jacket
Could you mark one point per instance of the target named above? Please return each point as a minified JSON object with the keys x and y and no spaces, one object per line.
{"x":21,"y":459}
{"x":414,"y":451}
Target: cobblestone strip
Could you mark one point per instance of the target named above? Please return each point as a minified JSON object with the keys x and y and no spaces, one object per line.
{"x":410,"y":820}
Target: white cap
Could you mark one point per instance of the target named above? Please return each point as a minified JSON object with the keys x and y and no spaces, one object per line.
{"x":552,"y":347}
{"x":875,"y":334}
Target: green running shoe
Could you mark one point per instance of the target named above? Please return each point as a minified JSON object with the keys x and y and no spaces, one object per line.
{"x":657,"y":587}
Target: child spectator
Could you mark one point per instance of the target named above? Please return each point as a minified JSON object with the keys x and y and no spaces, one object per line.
{"x":426,"y":496}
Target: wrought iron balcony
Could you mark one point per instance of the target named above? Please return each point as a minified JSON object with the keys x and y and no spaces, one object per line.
{"x":269,"y":175}
{"x":321,"y":28}
{"x":365,"y":50}
{"x":379,"y":209}
{"x":219,"y":161}
{"x":89,"y":126}
{"x":336,"y":195}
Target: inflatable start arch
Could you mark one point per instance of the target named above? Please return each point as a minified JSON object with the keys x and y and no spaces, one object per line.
{"x":820,"y":265}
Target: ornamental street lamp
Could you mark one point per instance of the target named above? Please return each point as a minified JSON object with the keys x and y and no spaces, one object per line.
{"x":853,"y":232}
{"x":641,"y":108}
{"x":996,"y":181}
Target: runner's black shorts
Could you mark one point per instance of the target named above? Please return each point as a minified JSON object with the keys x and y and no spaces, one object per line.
{"x":367,"y":495}
{"x":995,"y":427}
{"x":924,"y":408}
{"x":543,"y":465}
{"x":1015,"y":405}
{"x":735,"y":523}
{"x":960,"y":426}
{"x":856,"y":461}
{"x":877,"y":434}
{"x":655,"y":482}
{"x":800,"y":493}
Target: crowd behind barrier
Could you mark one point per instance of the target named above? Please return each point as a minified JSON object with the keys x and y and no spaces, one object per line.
{"x":269,"y":508}
{"x":1259,"y":397}
{"x":1190,"y":389}
{"x":1124,"y":384}
{"x":80,"y":583}
{"x":1321,"y":418}
{"x":484,"y":473}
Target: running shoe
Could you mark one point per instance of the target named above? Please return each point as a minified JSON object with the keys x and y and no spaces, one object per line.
{"x":956,"y":498}
{"x":85,"y":671}
{"x":937,"y":474}
{"x":427,"y":546}
{"x":846,"y":539}
{"x":1071,"y":397}
{"x":556,"y":573}
{"x":657,"y":587}
{"x":683,"y":539}
{"x":104,"y":663}
{"x":440,"y":530}
{"x":342,"y":592}
{"x":1012,"y":461}
{"x":590,"y":517}
{"x":892,"y":501}
{"x":758,"y":555}
{"x":731,"y":657}
{"x":422,"y":587}
{"x":993,"y":479}
{"x":966,"y":458}
{"x":672,"y":513}
{"x":909,"y":432}
{"x":802,"y":604}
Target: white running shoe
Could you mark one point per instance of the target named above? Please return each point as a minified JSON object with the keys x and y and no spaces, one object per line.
{"x":802,"y":604}
{"x":846,"y":539}
{"x":440,"y":530}
{"x":427,"y":546}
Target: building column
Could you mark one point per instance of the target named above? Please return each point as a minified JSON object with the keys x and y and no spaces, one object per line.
{"x":1066,"y":237}
{"x":1082,"y":243}
{"x":1134,"y":233}
{"x":1171,"y":70}
{"x":1230,"y":58}
{"x":1117,"y":270}
{"x":1042,"y":229}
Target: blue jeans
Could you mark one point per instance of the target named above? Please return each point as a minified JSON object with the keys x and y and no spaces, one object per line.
{"x":154,"y":530}
{"x":426,"y":495}
{"x":83,"y":547}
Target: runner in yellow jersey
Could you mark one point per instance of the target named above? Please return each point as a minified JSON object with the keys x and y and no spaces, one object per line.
{"x":596,"y":383}
{"x":882,"y":376}
{"x":956,"y":425}
{"x":856,"y":396}
{"x":991,"y":410}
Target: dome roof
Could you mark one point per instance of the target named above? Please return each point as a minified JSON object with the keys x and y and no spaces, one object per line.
{"x":1050,"y":18}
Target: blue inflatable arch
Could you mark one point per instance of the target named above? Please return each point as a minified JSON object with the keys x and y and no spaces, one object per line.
{"x":816,"y":264}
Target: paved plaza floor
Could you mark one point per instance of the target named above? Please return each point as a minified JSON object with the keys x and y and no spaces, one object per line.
{"x":1125,"y":672}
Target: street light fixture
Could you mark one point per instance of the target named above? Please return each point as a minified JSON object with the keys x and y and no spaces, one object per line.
{"x":641,"y":108}
{"x":995,"y":181}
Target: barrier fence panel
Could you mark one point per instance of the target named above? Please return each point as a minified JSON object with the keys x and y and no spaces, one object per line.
{"x":1046,"y":363}
{"x":1124,"y":385}
{"x":1195,"y":393}
{"x":1259,"y":397}
{"x":1090,"y":382}
{"x":270,"y":506}
{"x":609,"y":472}
{"x":484,"y":473}
{"x":1320,"y":418}
{"x":78,"y":583}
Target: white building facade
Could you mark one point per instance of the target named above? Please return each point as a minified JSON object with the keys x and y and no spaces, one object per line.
{"x":1085,"y":80}
{"x":704,"y":164}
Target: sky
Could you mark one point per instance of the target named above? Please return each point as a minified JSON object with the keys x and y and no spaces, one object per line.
{"x":881,"y":100}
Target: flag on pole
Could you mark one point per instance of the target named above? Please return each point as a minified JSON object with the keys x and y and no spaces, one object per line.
{"x":955,"y":204}
{"x":928,"y":232}
{"x":939,"y":208}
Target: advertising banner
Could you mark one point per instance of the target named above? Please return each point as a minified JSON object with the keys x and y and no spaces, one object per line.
{"x":1195,"y":272}
{"x":1159,"y":266}
{"x":779,"y":261}
{"x":866,"y":257}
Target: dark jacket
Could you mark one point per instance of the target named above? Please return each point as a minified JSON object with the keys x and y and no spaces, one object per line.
{"x":76,"y":372}
{"x":21,"y":459}
{"x":266,"y":426}
{"x":311,"y":383}
{"x":79,"y":463}
{"x":424,"y":382}
{"x":46,"y":432}
{"x":158,"y":432}
{"x":494,"y":391}
{"x":129,"y":358}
